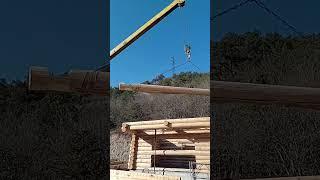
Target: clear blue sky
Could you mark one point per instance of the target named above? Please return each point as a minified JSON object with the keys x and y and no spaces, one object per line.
{"x":151,"y":54}
{"x":301,"y":14}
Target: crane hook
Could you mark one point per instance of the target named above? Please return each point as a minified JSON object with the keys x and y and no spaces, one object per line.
{"x":187,"y":50}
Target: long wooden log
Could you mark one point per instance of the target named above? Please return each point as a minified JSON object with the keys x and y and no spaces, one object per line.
{"x":198,"y":157}
{"x":236,"y":92}
{"x":181,"y":120}
{"x":130,"y":175}
{"x":81,"y":81}
{"x":183,"y":131}
{"x":197,"y":137}
{"x":161,"y":169}
{"x":126,"y":127}
{"x":163,"y":89}
{"x":290,"y":178}
{"x":172,"y":144}
{"x":174,"y":152}
{"x":189,"y":140}
{"x":168,"y":159}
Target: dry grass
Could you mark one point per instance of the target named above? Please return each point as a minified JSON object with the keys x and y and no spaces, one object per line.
{"x":119,"y":146}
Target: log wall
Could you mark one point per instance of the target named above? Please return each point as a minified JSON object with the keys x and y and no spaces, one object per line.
{"x":172,"y":150}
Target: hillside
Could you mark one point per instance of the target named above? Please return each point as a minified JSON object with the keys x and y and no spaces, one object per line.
{"x":50,"y":136}
{"x":267,"y":140}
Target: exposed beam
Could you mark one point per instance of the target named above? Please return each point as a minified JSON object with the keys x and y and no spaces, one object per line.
{"x":163,"y":89}
{"x":87,"y":82}
{"x":168,"y":124}
{"x":236,"y":92}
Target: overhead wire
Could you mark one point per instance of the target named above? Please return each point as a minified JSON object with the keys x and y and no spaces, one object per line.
{"x":278,"y":17}
{"x":230,"y":9}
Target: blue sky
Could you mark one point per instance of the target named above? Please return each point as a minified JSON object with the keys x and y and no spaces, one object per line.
{"x":151,"y":54}
{"x":301,"y":14}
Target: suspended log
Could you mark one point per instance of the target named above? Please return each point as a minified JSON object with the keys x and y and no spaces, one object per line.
{"x":163,"y":89}
{"x":236,"y":92}
{"x":81,"y":81}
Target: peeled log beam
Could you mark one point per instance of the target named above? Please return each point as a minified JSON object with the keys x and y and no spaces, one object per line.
{"x":182,"y":131}
{"x":198,"y":157}
{"x":118,"y":175}
{"x":126,"y":127}
{"x":81,"y":81}
{"x":163,"y":89}
{"x":161,"y":169}
{"x":174,"y":152}
{"x":182,"y":120}
{"x":236,"y":92}
{"x":290,"y":178}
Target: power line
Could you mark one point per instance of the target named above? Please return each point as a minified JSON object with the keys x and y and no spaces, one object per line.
{"x":103,"y":66}
{"x":230,"y":9}
{"x":194,"y":65}
{"x":263,"y":6}
{"x":174,"y":67}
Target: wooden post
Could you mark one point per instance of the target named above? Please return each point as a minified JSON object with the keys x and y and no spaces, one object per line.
{"x":133,"y":152}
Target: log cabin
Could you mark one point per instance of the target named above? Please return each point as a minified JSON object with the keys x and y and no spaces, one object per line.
{"x":177,"y":145}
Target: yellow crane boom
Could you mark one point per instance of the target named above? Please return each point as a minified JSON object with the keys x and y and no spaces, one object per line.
{"x":147,"y":26}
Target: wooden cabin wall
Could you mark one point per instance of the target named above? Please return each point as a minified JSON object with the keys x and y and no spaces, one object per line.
{"x":175,"y":145}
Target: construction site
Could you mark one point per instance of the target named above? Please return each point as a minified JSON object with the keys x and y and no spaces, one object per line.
{"x":262,"y":119}
{"x":175,"y":148}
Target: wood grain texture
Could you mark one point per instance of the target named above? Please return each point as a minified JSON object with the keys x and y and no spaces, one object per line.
{"x":181,"y":120}
{"x":163,"y":89}
{"x":132,"y":175}
{"x":305,"y":97}
{"x":80,"y":81}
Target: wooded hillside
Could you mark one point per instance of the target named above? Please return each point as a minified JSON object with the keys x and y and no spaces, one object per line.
{"x":267,"y":140}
